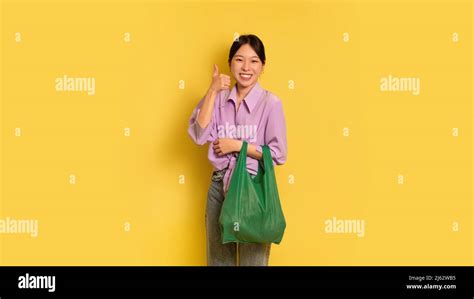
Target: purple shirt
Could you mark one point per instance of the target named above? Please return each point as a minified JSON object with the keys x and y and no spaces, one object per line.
{"x":259,"y":121}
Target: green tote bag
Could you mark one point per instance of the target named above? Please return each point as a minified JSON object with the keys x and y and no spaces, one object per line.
{"x":252,"y":212}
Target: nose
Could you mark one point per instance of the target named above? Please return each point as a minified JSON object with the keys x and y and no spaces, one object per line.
{"x":245,"y":66}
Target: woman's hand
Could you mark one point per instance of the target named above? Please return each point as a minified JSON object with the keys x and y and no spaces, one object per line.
{"x":219,"y":81}
{"x":223,"y":146}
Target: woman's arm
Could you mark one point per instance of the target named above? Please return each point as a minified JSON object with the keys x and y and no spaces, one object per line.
{"x":205,"y":114}
{"x":252,"y":152}
{"x":224,"y":146}
{"x":201,"y":122}
{"x":219,"y":82}
{"x":201,"y":135}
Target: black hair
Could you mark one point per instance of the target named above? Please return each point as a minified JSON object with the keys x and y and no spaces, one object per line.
{"x":253,"y":41}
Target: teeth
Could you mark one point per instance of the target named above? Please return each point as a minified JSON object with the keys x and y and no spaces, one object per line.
{"x":245,"y":75}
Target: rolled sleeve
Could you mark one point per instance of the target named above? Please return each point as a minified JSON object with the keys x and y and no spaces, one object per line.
{"x":198,"y":134}
{"x":275,"y":134}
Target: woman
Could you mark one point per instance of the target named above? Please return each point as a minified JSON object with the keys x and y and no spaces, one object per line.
{"x":225,"y":119}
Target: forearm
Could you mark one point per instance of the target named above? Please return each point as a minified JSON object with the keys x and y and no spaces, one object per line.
{"x":205,"y":114}
{"x":251,"y":150}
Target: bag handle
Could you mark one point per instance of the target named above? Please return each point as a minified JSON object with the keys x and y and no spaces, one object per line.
{"x":243,"y":154}
{"x":267,"y":157}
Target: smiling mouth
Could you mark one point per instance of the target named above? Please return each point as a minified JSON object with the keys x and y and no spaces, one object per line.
{"x":245,"y":76}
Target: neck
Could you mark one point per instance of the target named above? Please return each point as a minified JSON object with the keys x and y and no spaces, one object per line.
{"x":243,"y":91}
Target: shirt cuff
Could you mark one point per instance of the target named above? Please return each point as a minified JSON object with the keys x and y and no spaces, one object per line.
{"x":199,"y":130}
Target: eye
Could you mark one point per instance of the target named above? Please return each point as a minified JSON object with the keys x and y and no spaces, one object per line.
{"x":238,"y":59}
{"x":254,"y":61}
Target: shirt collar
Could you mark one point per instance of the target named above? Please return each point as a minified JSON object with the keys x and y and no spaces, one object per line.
{"x":251,"y":99}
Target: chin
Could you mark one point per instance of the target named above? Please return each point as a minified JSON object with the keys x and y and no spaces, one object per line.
{"x":246,"y":84}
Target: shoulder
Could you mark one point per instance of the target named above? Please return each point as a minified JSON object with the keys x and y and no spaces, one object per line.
{"x":272,"y":100}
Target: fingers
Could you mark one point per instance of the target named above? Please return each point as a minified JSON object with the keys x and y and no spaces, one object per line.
{"x":217,"y":148}
{"x":220,"y":81}
{"x":216,"y":145}
{"x":225,"y":77}
{"x":225,"y":81}
{"x":225,"y":85}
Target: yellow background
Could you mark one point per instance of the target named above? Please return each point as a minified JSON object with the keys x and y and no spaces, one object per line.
{"x":135,"y":180}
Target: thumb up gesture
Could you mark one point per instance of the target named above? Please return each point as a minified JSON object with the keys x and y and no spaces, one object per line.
{"x":219,"y":81}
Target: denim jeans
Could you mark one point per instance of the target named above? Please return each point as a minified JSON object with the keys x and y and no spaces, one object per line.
{"x":229,"y":254}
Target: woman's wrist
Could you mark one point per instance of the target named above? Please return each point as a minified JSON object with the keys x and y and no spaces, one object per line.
{"x":212,"y":89}
{"x":238,"y":145}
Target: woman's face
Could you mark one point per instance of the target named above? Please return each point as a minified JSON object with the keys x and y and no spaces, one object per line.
{"x":245,"y":66}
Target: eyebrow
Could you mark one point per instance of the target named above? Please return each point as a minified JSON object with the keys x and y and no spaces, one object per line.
{"x":255,"y":56}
